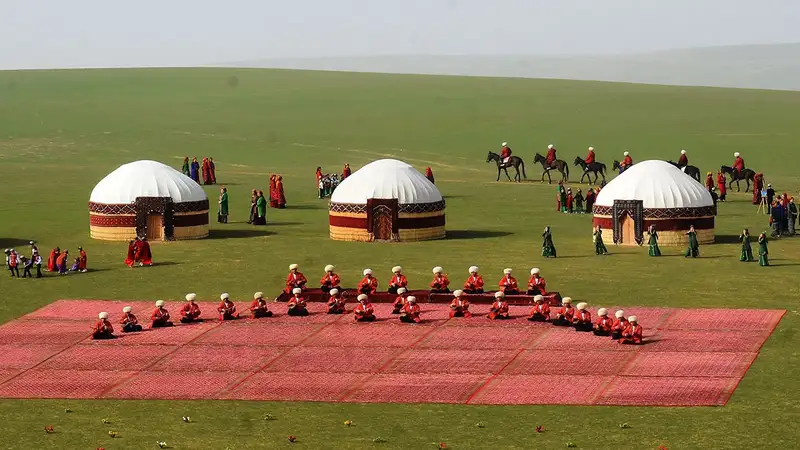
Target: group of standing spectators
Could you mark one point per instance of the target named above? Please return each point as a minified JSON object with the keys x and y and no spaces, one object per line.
{"x":58,"y":261}
{"x":194,"y":170}
{"x":258,"y":203}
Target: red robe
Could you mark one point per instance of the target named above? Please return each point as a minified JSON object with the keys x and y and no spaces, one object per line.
{"x":206,"y":172}
{"x":583,"y":317}
{"x":632,"y":334}
{"x":757,"y":186}
{"x":51,"y":261}
{"x":551,"y":155}
{"x":628,"y":161}
{"x":619,"y":325}
{"x":363,"y":311}
{"x":281,"y":197}
{"x":143,"y":253}
{"x":82,"y":260}
{"x":295,"y":280}
{"x":604,"y":323}
{"x":336,"y":303}
{"x":499,"y":309}
{"x":273,"y":202}
{"x":399,"y":302}
{"x":429,"y":175}
{"x":62,"y":259}
{"x":505,"y":152}
{"x":296,"y":302}
{"x":508,"y":283}
{"x":541,"y":309}
{"x":538,"y":283}
{"x":460,"y":306}
{"x":398,"y":281}
{"x":103,"y":327}
{"x":331,"y":280}
{"x":567,"y":312}
{"x":368,"y":282}
{"x":474,"y":282}
{"x":411,"y":311}
{"x":212,"y":169}
{"x":259,"y":305}
{"x":440,"y":282}
{"x":226,"y":309}
{"x":346,"y":172}
{"x":319,"y":176}
{"x":160,"y":315}
{"x":570,"y":199}
{"x":190,"y":310}
{"x":589,"y":157}
{"x":128,"y":319}
{"x":721,"y":183}
{"x":738,"y":164}
{"x":683,"y":161}
{"x":709,"y":182}
{"x":131,"y":258}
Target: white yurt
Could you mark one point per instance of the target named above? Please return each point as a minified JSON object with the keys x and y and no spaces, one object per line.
{"x":654,"y":193}
{"x":387,"y":200}
{"x":147,"y":199}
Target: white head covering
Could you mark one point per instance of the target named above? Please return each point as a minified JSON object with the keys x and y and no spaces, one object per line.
{"x":258,"y":295}
{"x":567,"y":300}
{"x":619,"y":314}
{"x":411,"y":299}
{"x":624,"y":153}
{"x":458,"y":293}
{"x":602,"y":312}
{"x":297,"y":291}
{"x":683,"y":152}
{"x":334,"y":291}
{"x":504,"y":144}
{"x":191,"y":297}
{"x":293,"y":266}
{"x":102,"y":315}
{"x":438,"y":269}
{"x":534,"y":271}
{"x":581,"y":306}
{"x":591,"y":149}
{"x":367,"y":272}
{"x":329,"y":268}
{"x":397,"y":269}
{"x":362,"y":297}
{"x":633,"y":319}
{"x":499,"y":294}
{"x":224,"y":296}
{"x":507,"y":271}
{"x":736,"y":154}
{"x":402,"y":290}
{"x":550,"y":147}
{"x":127,"y":309}
{"x":538,"y":298}
{"x":473,"y":269}
{"x":159,"y":303}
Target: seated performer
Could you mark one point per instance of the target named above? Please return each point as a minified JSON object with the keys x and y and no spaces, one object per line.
{"x":368,"y":284}
{"x":536,"y":284}
{"x":583,"y":318}
{"x":330,"y":280}
{"x":364,"y":311}
{"x":103,"y":328}
{"x":297,"y":304}
{"x":259,"y":306}
{"x":440,"y":283}
{"x":459,"y":307}
{"x":633,"y":333}
{"x":295,"y":279}
{"x":499,"y":309}
{"x":398,"y":280}
{"x":604,"y":323}
{"x":336,"y":302}
{"x":411,"y":311}
{"x":400,"y":301}
{"x":540,"y":311}
{"x":508,"y":284}
{"x":128,"y":321}
{"x":190,"y":311}
{"x":226,"y":308}
{"x":620,"y":324}
{"x":474,"y":284}
{"x":565,"y":314}
{"x":160,"y":316}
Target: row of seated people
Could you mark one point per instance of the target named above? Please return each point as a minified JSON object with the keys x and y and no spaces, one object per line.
{"x":440,"y":283}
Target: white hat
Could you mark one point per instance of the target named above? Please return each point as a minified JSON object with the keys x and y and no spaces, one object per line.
{"x":258,"y":295}
{"x":550,"y":147}
{"x":127,"y":309}
{"x":473,"y":269}
{"x":619,"y":314}
{"x":499,"y":294}
{"x":224,"y":296}
{"x":438,"y":269}
{"x":103,"y":315}
{"x":367,"y":272}
{"x":624,"y":153}
{"x":411,"y":299}
{"x":534,"y":271}
{"x":297,"y":291}
{"x":566,"y":300}
{"x":683,"y":152}
{"x":591,"y":149}
{"x":329,"y":268}
{"x":458,"y":293}
{"x":334,"y":291}
{"x":736,"y":154}
{"x":293,"y":266}
{"x":504,"y":144}
{"x":159,"y":303}
{"x":362,"y":297}
{"x":768,"y":185}
{"x":633,"y":319}
{"x":397,"y":269}
{"x":507,"y":271}
{"x":602,"y":312}
{"x":538,"y":298}
{"x":402,"y":290}
{"x":191,"y":297}
{"x":31,"y":242}
{"x":581,"y":306}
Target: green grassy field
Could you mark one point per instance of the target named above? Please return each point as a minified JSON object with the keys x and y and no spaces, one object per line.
{"x":62,"y":131}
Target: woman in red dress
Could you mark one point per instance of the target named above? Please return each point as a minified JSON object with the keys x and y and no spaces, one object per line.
{"x":281,"y":197}
{"x":273,"y":199}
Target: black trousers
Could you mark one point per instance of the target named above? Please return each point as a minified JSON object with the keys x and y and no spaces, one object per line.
{"x":534,"y":292}
{"x":128,"y":328}
{"x":473,"y":291}
{"x":298,"y":312}
{"x":602,"y":333}
{"x":38,"y":271}
{"x":27,"y":272}
{"x":561,"y":322}
{"x":583,"y":326}
{"x":260,"y":314}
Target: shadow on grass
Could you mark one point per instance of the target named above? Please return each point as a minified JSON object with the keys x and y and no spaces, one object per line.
{"x":278,"y":224}
{"x":728,"y":239}
{"x":13,"y":243}
{"x":475,"y":234}
{"x":237,"y":234}
{"x":321,"y":205}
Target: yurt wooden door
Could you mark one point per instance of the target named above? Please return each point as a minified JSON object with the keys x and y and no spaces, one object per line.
{"x":382,"y":219}
{"x":628,"y":222}
{"x":628,"y":230}
{"x":155,"y":227}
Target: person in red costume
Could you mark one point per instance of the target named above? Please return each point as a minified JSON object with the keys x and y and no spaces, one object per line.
{"x":190,"y":312}
{"x":551,"y":154}
{"x":226,"y":308}
{"x":335,"y":302}
{"x":738,"y":164}
{"x":369,"y":284}
{"x":143,"y":253}
{"x":721,"y":186}
{"x":540,"y":311}
{"x":583,"y":318}
{"x":259,"y":307}
{"x":589,"y":156}
{"x":566,"y":314}
{"x":128,"y":321}
{"x":51,"y":260}
{"x":160,"y":316}
{"x":398,"y":280}
{"x":620,"y":324}
{"x":604,"y":323}
{"x":346,"y":172}
{"x":536,"y":284}
{"x":429,"y":175}
{"x":459,"y":307}
{"x":626,"y":163}
{"x":295,"y":279}
{"x":709,"y":181}
{"x":758,"y":185}
{"x":683,"y":161}
{"x":400,"y":301}
{"x":103,"y":328}
{"x":330,"y":280}
{"x":633,"y":333}
{"x":364,"y":311}
{"x":297,"y":304}
{"x":440,"y":283}
{"x":474,"y":284}
{"x":505,"y":153}
{"x":411,"y":311}
{"x":508,"y":284}
{"x":499,"y":309}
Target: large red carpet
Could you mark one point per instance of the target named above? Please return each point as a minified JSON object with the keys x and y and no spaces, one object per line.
{"x":691,"y":357}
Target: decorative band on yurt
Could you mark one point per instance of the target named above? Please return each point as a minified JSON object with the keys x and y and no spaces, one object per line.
{"x":185,"y":220}
{"x":409,"y":222}
{"x":672,"y":224}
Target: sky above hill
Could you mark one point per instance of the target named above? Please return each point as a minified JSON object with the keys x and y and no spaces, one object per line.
{"x":102,"y":33}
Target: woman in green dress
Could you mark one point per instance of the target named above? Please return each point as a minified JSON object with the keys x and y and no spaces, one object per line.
{"x":223,"y":206}
{"x":694,"y":248}
{"x":563,"y":196}
{"x":261,"y":209}
{"x":763,"y":259}
{"x":653,"y":242}
{"x":597,"y":238}
{"x":747,"y":250}
{"x":548,"y":248}
{"x":185,"y":168}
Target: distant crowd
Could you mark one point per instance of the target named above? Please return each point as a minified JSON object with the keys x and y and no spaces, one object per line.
{"x":58,"y":262}
{"x":195,"y":170}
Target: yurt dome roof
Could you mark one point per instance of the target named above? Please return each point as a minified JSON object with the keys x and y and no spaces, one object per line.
{"x":658,"y":184}
{"x":146,"y":179}
{"x":386,"y":179}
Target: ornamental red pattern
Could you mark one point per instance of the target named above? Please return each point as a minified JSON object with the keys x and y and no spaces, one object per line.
{"x":108,"y":208}
{"x":662,"y":213}
{"x":412,"y":208}
{"x":112,"y":221}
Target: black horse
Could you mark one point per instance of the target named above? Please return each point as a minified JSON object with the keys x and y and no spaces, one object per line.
{"x":558,"y":164}
{"x":747,"y":175}
{"x":514,"y":161}
{"x":692,"y":171}
{"x":595,"y":168}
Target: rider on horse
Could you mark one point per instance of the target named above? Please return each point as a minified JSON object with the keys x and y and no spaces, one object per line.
{"x":505,"y":153}
{"x":738,"y":164}
{"x":683,"y":161}
{"x":589,"y":158}
{"x":551,"y":155}
{"x":626,"y":163}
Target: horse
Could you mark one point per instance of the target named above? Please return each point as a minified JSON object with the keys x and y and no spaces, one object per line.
{"x":558,"y":164}
{"x":747,"y":175}
{"x":595,"y":168}
{"x":692,"y":171}
{"x":514,"y":161}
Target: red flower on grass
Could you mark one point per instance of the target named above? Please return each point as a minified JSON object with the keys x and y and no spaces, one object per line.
{"x":292,"y":438}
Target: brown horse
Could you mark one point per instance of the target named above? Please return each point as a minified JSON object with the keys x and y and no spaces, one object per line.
{"x":747,"y":175}
{"x":558,"y":164}
{"x":515,"y":161}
